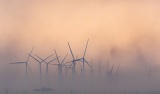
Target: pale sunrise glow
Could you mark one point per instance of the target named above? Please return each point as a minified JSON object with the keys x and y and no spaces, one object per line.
{"x":123,"y":32}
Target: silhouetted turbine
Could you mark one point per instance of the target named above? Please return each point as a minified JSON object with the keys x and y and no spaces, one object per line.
{"x":60,"y":65}
{"x":27,"y":66}
{"x":117,"y":72}
{"x":73,"y":68}
{"x":40,"y":67}
{"x":83,"y":60}
{"x":47,"y":65}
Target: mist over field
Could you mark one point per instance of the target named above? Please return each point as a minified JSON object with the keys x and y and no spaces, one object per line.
{"x":121,"y":32}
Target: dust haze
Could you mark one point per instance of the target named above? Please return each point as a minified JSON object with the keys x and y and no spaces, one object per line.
{"x":122,"y":32}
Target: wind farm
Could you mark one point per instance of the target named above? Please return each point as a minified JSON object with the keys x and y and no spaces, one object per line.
{"x":78,"y":82}
{"x":79,"y":47}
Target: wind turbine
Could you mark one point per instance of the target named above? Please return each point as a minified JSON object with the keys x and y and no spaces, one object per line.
{"x":91,"y":76}
{"x":60,"y":65}
{"x":47,"y":64}
{"x":66,"y":76}
{"x":73,"y":68}
{"x":117,"y":72}
{"x":108,"y":70}
{"x":99,"y":70}
{"x":66,"y":70}
{"x":111,"y":71}
{"x":40,"y":67}
{"x":27,"y":66}
{"x":84,"y":61}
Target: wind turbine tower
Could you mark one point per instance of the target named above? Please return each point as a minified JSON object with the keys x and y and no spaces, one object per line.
{"x":99,"y":70}
{"x":60,"y":66}
{"x":73,"y":68}
{"x":83,"y":60}
{"x":47,"y":65}
{"x":111,"y":72}
{"x":83,"y":66}
{"x":40,"y":66}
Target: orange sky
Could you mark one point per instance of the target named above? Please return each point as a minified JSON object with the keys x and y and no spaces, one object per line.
{"x":105,"y":23}
{"x":123,"y":31}
{"x":116,"y":29}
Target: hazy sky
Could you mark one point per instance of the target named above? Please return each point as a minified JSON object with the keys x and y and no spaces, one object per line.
{"x":123,"y":31}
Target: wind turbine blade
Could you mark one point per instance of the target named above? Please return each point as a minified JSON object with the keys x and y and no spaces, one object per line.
{"x":18,"y":63}
{"x":88,"y":64}
{"x":68,"y":62}
{"x":48,"y":57}
{"x":91,"y":65}
{"x":55,"y":64}
{"x":118,"y":68}
{"x":56,"y":56}
{"x":30,"y":54}
{"x":52,"y":60}
{"x":64,"y":58}
{"x":30,"y":69}
{"x":112,"y":68}
{"x":69,"y":68}
{"x":81,"y":59}
{"x":40,"y":58}
{"x":34,"y":58}
{"x":85,"y":49}
{"x":71,"y":50}
{"x":74,"y":61}
{"x":43,"y":60}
